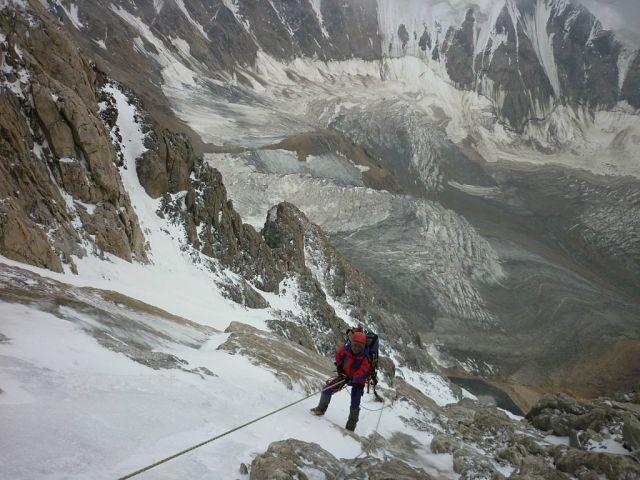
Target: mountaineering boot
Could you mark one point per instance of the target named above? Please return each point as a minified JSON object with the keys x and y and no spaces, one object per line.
{"x":322,"y":405}
{"x":354,"y":414}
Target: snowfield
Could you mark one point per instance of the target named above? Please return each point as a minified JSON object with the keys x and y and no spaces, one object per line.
{"x":73,"y":408}
{"x":120,"y":365}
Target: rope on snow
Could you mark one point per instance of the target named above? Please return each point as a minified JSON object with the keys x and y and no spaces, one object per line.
{"x":190,"y":449}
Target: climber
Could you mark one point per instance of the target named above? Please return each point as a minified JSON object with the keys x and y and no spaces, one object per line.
{"x":373,"y":350}
{"x":352,"y":363}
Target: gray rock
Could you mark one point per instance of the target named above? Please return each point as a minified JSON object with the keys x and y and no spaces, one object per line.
{"x":459,"y":52}
{"x":578,"y":462}
{"x":287,"y":459}
{"x":511,"y":455}
{"x":472,"y":465}
{"x":292,"y":363}
{"x":445,"y":444}
{"x":631,"y":432}
{"x":561,"y":414}
{"x":537,"y":468}
{"x":292,"y":458}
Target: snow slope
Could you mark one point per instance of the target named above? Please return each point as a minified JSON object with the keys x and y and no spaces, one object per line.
{"x":72,"y":408}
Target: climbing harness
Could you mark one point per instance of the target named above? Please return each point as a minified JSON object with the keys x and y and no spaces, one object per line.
{"x":164,"y":460}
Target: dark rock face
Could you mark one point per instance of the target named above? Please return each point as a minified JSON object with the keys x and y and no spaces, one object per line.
{"x":284,"y":234}
{"x":459,"y":53}
{"x":631,"y":85}
{"x":353,"y":28}
{"x":586,"y":56}
{"x":54,"y":144}
{"x":403,"y":35}
{"x":515,"y":74}
{"x":167,"y":164}
{"x":425,"y":41}
{"x":214,"y":228}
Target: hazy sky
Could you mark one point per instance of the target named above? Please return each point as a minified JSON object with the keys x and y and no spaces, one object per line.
{"x":617,"y":14}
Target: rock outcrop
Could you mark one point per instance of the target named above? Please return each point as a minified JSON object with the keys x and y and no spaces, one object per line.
{"x":296,"y":459}
{"x":167,"y":164}
{"x":214,"y":228}
{"x":291,"y":364}
{"x":562,"y":414}
{"x":483,"y":443}
{"x":57,"y":159}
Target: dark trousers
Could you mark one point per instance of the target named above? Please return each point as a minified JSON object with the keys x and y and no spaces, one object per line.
{"x":356,"y":394}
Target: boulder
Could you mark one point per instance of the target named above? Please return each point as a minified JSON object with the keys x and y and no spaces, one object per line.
{"x":536,"y":468}
{"x":562,"y":414}
{"x":577,"y":462}
{"x":445,"y":444}
{"x":471,"y":465}
{"x":293,"y":458}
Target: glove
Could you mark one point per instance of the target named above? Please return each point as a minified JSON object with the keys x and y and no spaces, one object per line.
{"x":340,"y":370}
{"x":347,"y":379}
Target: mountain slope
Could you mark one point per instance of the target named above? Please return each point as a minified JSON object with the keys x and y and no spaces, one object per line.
{"x":526,"y":56}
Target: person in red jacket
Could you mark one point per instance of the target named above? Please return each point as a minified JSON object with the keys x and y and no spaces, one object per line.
{"x":352,"y":363}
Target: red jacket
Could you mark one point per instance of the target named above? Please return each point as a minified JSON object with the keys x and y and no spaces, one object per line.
{"x":356,"y":366}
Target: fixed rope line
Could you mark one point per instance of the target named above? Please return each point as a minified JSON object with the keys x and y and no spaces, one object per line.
{"x":365,"y":449}
{"x":372,"y":436}
{"x":190,"y":449}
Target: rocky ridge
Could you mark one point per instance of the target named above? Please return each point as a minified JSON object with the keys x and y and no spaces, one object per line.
{"x":194,"y":195}
{"x":65,"y":197}
{"x":483,"y":443}
{"x":561,"y":437}
{"x":528,"y":57}
{"x":61,"y":191}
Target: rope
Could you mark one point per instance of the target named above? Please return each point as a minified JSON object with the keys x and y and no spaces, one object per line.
{"x":190,"y":449}
{"x":365,"y":449}
{"x":375,"y":409}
